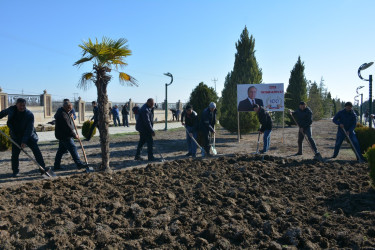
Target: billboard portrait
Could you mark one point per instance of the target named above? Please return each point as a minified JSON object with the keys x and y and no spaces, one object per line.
{"x":268,"y":95}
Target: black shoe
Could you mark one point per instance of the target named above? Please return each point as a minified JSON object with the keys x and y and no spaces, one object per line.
{"x":333,"y":156}
{"x":138,"y":158}
{"x":58,"y":168}
{"x":153,"y":159}
{"x":188,"y":154}
{"x":81,"y":166}
{"x":15,"y":174}
{"x":298,"y":153}
{"x":262,"y":152}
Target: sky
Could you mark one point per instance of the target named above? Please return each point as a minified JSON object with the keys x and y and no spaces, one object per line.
{"x":194,"y":40}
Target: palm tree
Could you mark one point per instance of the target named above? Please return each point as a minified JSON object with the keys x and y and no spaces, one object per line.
{"x":106,"y":56}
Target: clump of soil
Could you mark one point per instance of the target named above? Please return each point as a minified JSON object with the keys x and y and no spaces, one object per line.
{"x":227,"y":202}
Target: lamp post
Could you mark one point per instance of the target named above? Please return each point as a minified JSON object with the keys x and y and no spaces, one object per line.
{"x":363,"y":67}
{"x":361,"y":110}
{"x":166,"y":99}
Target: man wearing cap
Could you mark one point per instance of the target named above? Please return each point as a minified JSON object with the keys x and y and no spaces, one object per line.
{"x":266,"y":128}
{"x":304,"y":119}
{"x":207,"y":125}
{"x":22,"y":131}
{"x":250,"y":101}
{"x":191,"y":125}
{"x":346,"y":119}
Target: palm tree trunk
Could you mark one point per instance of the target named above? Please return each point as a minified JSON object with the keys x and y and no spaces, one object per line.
{"x":103,"y":122}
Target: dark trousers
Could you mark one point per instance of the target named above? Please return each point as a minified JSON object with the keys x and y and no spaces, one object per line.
{"x":95,"y":124}
{"x":125,"y":120}
{"x":192,"y":147}
{"x":64,"y":146}
{"x":307,"y":132}
{"x":340,"y":138}
{"x":206,"y":141}
{"x":16,"y":153}
{"x":145,"y":138}
{"x":115,"y":120}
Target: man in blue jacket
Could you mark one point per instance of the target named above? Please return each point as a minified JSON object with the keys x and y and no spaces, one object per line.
{"x":22,"y":131}
{"x":207,"y":125}
{"x":346,"y":119}
{"x":304,"y":119}
{"x":116,"y":115}
{"x":189,"y":119}
{"x":144,"y":126}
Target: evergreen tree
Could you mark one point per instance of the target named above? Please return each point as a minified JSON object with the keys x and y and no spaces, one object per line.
{"x":297,"y":88}
{"x":201,"y":97}
{"x":245,"y":71}
{"x":315,"y":101}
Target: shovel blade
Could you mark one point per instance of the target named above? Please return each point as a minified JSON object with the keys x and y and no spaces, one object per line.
{"x":214,"y":152}
{"x":89,"y":169}
{"x":49,"y":173}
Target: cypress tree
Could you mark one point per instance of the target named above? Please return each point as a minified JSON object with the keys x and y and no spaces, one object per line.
{"x":201,"y":97}
{"x":245,"y":71}
{"x":315,"y":102}
{"x":297,"y":88}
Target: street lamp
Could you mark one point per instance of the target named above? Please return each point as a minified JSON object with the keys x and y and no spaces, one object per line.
{"x":361,"y":110}
{"x":166,"y":99}
{"x":363,"y":67}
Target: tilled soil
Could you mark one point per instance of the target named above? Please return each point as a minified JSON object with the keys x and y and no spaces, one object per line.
{"x":241,"y":201}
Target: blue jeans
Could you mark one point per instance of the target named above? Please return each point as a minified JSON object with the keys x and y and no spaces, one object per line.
{"x":145,"y":138}
{"x":16,"y":153}
{"x":67,"y":145}
{"x":116,"y":119}
{"x":340,"y":138}
{"x":266,"y":140}
{"x":192,"y":147}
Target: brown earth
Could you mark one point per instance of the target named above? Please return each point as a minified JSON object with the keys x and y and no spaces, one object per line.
{"x":236,"y":200}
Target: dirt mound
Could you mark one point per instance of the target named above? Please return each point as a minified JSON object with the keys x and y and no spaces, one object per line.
{"x":227,"y":202}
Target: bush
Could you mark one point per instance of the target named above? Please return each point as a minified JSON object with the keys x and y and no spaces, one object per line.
{"x":4,"y":142}
{"x":86,"y":129}
{"x":370,"y":155}
{"x":366,"y":137}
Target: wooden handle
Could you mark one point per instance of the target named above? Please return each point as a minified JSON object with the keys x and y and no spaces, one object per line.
{"x":83,"y":150}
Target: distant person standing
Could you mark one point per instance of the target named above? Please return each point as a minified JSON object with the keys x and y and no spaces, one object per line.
{"x":146,"y":131}
{"x":207,"y":125}
{"x":116,"y":115}
{"x":95,"y":118}
{"x":304,"y":119}
{"x":22,"y":131}
{"x":191,"y":124}
{"x":125,"y":113}
{"x":174,"y":114}
{"x":346,"y":119}
{"x":135,"y":110}
{"x":266,"y":128}
{"x":178,"y":112}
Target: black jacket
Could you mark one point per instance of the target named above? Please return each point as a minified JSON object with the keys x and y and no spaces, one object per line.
{"x":64,"y":128}
{"x":21,"y":124}
{"x":208,"y":121}
{"x":265,"y":120}
{"x":145,"y":122}
{"x":304,"y":117}
{"x":245,"y":105}
{"x":190,"y":120}
{"x":124,"y":111}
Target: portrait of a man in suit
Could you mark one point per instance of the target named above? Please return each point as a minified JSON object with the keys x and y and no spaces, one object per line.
{"x":250,"y":101}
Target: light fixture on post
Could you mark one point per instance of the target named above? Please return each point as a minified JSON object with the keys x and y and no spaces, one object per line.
{"x":363,"y":67}
{"x":166,"y":99}
{"x":361,"y":108}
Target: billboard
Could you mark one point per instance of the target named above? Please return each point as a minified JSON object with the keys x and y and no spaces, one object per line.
{"x":268,"y":95}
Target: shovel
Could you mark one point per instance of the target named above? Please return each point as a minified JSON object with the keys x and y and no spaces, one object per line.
{"x":258,"y":142}
{"x":161,"y":156}
{"x":88,"y":169}
{"x":199,"y":146}
{"x":49,"y":173}
{"x":213,"y":149}
{"x":351,"y":143}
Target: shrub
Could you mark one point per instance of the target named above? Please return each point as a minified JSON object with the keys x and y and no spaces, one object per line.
{"x":366,"y":137}
{"x":370,"y":155}
{"x":4,"y":142}
{"x":86,"y":129}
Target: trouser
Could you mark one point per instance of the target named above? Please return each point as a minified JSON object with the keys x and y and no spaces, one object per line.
{"x":115,"y":120}
{"x":266,"y":140}
{"x":16,"y":153}
{"x":340,"y":138}
{"x":67,"y":145}
{"x":95,"y":124}
{"x":192,"y":147}
{"x":145,"y":138}
{"x":206,"y":141}
{"x":307,"y":132}
{"x":125,"y":120}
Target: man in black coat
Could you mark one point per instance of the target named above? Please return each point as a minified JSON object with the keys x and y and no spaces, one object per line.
{"x":125,"y":113}
{"x":266,"y":128}
{"x":250,"y":101}
{"x":65,"y":132}
{"x":304,"y":119}
{"x":144,"y":126}
{"x":189,"y":119}
{"x":207,"y":125}
{"x":22,"y":131}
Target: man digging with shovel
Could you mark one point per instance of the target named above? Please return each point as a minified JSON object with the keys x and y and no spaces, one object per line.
{"x":266,"y":128}
{"x":304,"y":121}
{"x":191,"y":125}
{"x":22,"y":133}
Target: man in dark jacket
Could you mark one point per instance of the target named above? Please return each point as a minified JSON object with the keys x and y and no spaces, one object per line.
{"x":95,"y":117}
{"x":125,"y":113}
{"x":65,"y":132}
{"x":346,"y":119}
{"x":146,"y":131}
{"x":304,"y":119}
{"x":207,"y":125}
{"x":22,"y":131}
{"x":191,"y":125}
{"x":266,"y":128}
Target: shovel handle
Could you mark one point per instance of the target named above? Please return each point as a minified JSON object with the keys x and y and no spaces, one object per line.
{"x":80,"y":142}
{"x":351,"y":143}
